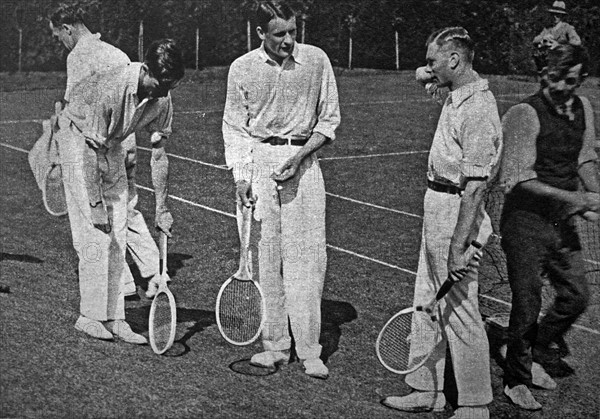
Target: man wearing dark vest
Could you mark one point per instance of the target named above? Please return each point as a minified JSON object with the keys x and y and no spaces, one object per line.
{"x":550,"y":173}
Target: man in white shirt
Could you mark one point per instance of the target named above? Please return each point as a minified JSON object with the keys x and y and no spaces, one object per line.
{"x":282,"y":106}
{"x":104,"y":110}
{"x":464,"y":154}
{"x":88,"y":56}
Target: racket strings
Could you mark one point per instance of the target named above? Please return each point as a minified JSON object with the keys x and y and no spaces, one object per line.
{"x":240,"y":310}
{"x":402,"y":333}
{"x":162,"y":321}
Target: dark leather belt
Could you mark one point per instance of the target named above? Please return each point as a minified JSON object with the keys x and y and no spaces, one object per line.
{"x":284,"y":141}
{"x":442,"y":187}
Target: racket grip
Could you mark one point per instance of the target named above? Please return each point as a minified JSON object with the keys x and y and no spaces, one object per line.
{"x":449,"y":282}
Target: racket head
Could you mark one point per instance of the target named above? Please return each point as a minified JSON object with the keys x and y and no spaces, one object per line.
{"x":393,"y":345}
{"x":162,"y":322}
{"x":53,"y":193}
{"x":240,"y":311}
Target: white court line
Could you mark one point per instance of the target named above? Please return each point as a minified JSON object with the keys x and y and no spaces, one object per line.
{"x":21,"y":121}
{"x":356,"y":201}
{"x":339,"y":249}
{"x":175,"y":156}
{"x":366,"y":156}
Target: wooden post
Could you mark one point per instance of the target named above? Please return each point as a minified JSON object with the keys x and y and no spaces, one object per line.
{"x":197,"y":47}
{"x":303,"y":33}
{"x":350,"y":52}
{"x":397,"y":52}
{"x":20,"y":49}
{"x":141,"y":42}
{"x":249,"y":35}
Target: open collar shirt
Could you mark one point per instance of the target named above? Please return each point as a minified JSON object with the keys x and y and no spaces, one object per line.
{"x":90,"y":56}
{"x":291,"y":101}
{"x":106,"y":108}
{"x":468,"y":139}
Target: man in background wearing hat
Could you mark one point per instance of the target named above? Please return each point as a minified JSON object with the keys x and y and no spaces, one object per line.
{"x":550,"y":37}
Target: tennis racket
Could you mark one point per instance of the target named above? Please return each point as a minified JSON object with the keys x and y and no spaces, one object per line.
{"x":163,"y":312}
{"x":393,"y":346}
{"x":240,"y":308}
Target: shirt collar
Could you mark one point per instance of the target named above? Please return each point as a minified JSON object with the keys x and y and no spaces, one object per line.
{"x":458,"y":96}
{"x":296,"y":54}
{"x":86,"y":39}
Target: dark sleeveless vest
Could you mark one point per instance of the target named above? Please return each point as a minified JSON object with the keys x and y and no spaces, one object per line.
{"x":557,"y":148}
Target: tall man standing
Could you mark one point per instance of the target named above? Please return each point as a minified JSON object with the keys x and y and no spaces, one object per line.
{"x":550,"y":173}
{"x":464,"y":154}
{"x":282,"y":106}
{"x":88,"y":56}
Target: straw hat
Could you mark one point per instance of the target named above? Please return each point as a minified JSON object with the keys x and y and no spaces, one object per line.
{"x":558,"y":7}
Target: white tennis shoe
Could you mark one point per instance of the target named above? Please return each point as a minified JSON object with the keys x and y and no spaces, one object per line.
{"x":94,"y":328}
{"x":417,"y":401}
{"x":122,"y":330}
{"x":269,"y":359}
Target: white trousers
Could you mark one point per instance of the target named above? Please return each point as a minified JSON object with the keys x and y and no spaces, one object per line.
{"x":101,"y":256}
{"x":288,"y":250}
{"x":463,"y":330}
{"x":140,"y":244}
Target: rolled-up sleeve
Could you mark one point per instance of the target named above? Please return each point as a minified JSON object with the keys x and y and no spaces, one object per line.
{"x":481,"y":145}
{"x":161,"y":126}
{"x":520,"y":126}
{"x":238,"y":142}
{"x":328,"y":109}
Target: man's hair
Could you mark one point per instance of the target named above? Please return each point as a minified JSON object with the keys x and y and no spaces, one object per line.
{"x":165,"y":61}
{"x":68,"y":14}
{"x":565,"y":56}
{"x":457,"y":36}
{"x":268,"y":10}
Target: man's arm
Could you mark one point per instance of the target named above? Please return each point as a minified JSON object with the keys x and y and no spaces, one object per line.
{"x":328,"y":119}
{"x":468,"y":220}
{"x":572,"y":36}
{"x":588,"y":159}
{"x":238,"y":143}
{"x":159,"y":164}
{"x":160,"y":130}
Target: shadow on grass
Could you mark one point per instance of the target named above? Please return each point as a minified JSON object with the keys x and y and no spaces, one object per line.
{"x":137,"y":317}
{"x":333,"y":315}
{"x":20,"y":258}
{"x":175,"y":261}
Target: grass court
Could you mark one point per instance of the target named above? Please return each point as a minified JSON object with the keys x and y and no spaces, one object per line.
{"x":375,"y":179}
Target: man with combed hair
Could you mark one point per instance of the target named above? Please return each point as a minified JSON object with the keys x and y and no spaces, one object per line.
{"x":88,"y":56}
{"x":103,"y":110}
{"x":550,"y":173}
{"x":464,"y":155}
{"x":282,"y":106}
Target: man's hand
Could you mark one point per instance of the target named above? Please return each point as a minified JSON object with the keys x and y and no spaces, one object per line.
{"x":244,"y":193}
{"x":287,"y":170}
{"x":460,"y":263}
{"x":422,"y":75}
{"x":164,"y":222}
{"x":583,"y":202}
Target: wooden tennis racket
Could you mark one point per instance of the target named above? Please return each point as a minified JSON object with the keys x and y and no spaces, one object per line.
{"x":393,"y":346}
{"x":240,"y":308}
{"x":163,"y":312}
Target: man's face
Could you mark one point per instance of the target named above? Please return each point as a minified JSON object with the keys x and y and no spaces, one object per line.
{"x":438,"y":64}
{"x":154,"y":88}
{"x":280,"y":38}
{"x":562,"y":86}
{"x":555,"y":18}
{"x":64,"y":34}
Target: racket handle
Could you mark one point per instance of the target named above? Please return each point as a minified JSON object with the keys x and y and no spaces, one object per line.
{"x":448,"y":283}
{"x":162,"y":243}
